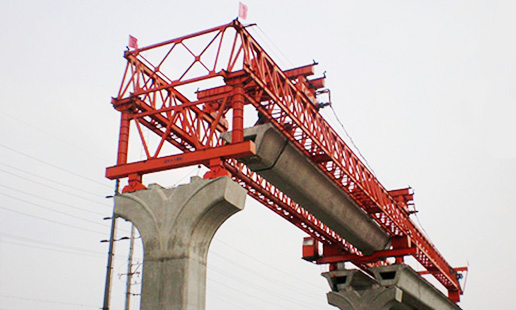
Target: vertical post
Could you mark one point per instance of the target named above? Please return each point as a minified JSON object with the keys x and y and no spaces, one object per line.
{"x":129,"y":270}
{"x":111,"y":254}
{"x":123,"y":138}
{"x":238,"y":114}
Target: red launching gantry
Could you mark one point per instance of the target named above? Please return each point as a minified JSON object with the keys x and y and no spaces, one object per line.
{"x":226,"y":69}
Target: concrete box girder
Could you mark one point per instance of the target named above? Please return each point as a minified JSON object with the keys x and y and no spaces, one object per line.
{"x":283,"y":165}
{"x":394,"y":287}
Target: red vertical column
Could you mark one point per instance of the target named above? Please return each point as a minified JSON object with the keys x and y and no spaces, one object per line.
{"x":123,"y":139}
{"x":135,"y":179}
{"x":238,"y":114}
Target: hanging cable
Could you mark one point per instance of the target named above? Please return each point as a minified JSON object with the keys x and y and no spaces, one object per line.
{"x":351,"y":140}
{"x":275,"y":47}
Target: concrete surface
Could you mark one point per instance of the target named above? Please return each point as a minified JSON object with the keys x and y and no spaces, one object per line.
{"x":283,"y":165}
{"x":177,"y":226}
{"x":395,"y":287}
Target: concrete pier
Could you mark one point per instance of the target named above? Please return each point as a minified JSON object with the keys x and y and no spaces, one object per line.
{"x":395,"y":287}
{"x":177,"y":226}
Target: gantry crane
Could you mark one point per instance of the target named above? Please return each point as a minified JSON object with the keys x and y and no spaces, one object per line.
{"x":226,"y":69}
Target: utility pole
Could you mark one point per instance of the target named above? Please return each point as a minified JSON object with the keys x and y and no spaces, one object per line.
{"x":111,"y":254}
{"x":129,"y":270}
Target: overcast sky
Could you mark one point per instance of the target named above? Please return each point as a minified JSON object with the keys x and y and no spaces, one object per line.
{"x":426,"y":89}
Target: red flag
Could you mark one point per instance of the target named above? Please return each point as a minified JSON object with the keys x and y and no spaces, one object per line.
{"x":242,"y":11}
{"x":133,"y":42}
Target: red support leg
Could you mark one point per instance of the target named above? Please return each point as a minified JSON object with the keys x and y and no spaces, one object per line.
{"x":216,"y":170}
{"x":135,"y":184}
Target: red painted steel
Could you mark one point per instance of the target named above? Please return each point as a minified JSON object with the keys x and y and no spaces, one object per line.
{"x":233,"y":150}
{"x":357,"y":259}
{"x":234,"y":71}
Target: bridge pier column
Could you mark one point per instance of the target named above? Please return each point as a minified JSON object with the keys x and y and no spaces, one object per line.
{"x":395,"y":287}
{"x":177,"y":226}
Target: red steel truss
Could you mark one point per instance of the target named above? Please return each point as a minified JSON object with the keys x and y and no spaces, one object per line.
{"x":233,"y":70}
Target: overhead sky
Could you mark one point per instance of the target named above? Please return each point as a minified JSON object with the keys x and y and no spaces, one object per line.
{"x":426,"y":89}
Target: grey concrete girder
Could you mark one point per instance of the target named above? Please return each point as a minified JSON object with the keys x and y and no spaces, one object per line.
{"x":394,"y":287}
{"x":378,"y":298}
{"x":176,"y":226}
{"x":287,"y":168}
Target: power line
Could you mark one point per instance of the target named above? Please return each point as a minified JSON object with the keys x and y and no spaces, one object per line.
{"x":189,"y":173}
{"x":48,"y":179}
{"x":44,"y":242}
{"x":49,"y":301}
{"x":50,"y":221}
{"x":261,"y":274}
{"x":267,"y":265}
{"x":43,"y":207}
{"x":53,"y":250}
{"x":218,"y":295}
{"x":281,"y":250}
{"x":244,"y":293}
{"x":51,"y":200}
{"x":35,"y":243}
{"x":53,"y":210}
{"x":51,"y":135}
{"x":265,"y":290}
{"x":52,"y":187}
{"x":54,"y":166}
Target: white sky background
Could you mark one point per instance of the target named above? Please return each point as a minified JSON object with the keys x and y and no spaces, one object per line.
{"x":426,"y":89}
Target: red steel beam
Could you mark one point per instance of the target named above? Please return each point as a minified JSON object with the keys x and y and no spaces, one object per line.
{"x":233,"y":150}
{"x":358,"y":259}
